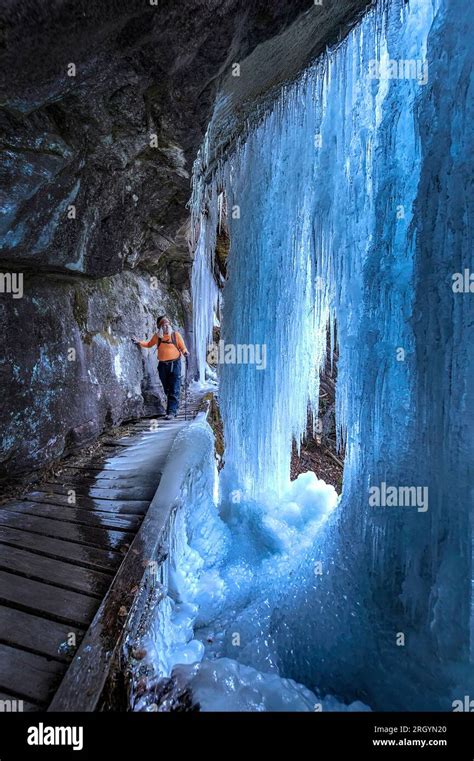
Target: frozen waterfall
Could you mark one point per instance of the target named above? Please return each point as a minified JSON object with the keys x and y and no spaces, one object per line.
{"x":348,"y":203}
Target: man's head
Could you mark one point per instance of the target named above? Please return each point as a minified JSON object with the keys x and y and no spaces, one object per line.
{"x":164,"y":325}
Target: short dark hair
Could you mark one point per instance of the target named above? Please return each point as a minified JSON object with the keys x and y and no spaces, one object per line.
{"x":160,"y":319}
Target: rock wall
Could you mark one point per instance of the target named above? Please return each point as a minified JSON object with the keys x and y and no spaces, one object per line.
{"x":70,"y":366}
{"x":103,"y":109}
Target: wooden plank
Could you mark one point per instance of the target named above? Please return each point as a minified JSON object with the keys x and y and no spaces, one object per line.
{"x":57,"y":572}
{"x":108,"y":470}
{"x":43,"y":636}
{"x":127,"y":467}
{"x":61,"y":605}
{"x":81,"y":688}
{"x":137,"y":493}
{"x":90,"y":467}
{"x":88,"y":535}
{"x":73,"y":515}
{"x":127,"y":485}
{"x":11,"y":704}
{"x":151,"y":425}
{"x":107,"y":506}
{"x":107,"y":477}
{"x":27,"y":675}
{"x":86,"y":479}
{"x":88,"y":557}
{"x":123,"y":443}
{"x":128,"y":507}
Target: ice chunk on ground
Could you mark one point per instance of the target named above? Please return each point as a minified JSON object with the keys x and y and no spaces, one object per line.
{"x":226,"y":685}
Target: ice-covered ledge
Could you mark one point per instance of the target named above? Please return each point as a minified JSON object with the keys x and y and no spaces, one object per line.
{"x":247,"y":91}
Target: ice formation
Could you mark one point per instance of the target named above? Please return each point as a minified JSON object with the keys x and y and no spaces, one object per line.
{"x":223,"y":578}
{"x":226,"y":685}
{"x":352,"y":210}
{"x":205,"y":294}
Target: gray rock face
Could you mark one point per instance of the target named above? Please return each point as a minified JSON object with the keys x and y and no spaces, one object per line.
{"x":103,"y":108}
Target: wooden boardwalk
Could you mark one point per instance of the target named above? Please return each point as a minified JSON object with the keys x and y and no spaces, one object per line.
{"x":60,"y":549}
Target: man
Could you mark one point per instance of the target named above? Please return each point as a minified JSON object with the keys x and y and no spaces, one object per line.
{"x":170,"y":347}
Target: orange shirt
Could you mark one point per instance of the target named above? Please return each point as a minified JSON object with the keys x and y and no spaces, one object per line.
{"x":166,"y":349}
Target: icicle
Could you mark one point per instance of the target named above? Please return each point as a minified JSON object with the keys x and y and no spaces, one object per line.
{"x":205,"y":294}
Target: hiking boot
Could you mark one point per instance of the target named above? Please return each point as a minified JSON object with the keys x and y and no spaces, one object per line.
{"x":167,"y":417}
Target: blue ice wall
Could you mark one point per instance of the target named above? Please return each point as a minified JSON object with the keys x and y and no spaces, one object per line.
{"x":351,"y":203}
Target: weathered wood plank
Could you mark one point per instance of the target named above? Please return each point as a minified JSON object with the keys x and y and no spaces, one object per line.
{"x":90,"y":467}
{"x":83,"y":683}
{"x":99,"y":475}
{"x":137,"y":493}
{"x":108,"y":468}
{"x":151,"y":425}
{"x":28,"y":675}
{"x":107,"y":506}
{"x":123,"y":443}
{"x":88,"y":557}
{"x":106,"y":484}
{"x":95,"y":537}
{"x":43,"y":636}
{"x":128,"y":507}
{"x":57,"y":572}
{"x":125,"y":484}
{"x":73,"y":515}
{"x":61,"y":605}
{"x":57,"y":560}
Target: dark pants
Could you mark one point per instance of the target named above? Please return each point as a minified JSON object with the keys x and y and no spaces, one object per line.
{"x":170,"y":377}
